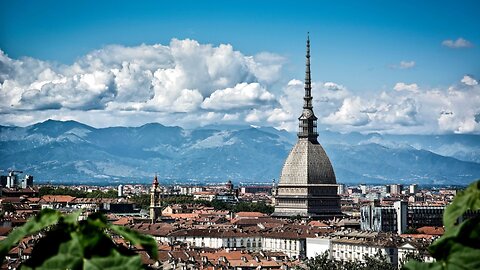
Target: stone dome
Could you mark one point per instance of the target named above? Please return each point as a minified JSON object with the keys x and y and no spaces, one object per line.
{"x":307,"y":163}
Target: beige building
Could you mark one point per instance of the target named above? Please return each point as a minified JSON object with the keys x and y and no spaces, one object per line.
{"x":355,"y":245}
{"x":205,"y":196}
{"x":290,"y":243}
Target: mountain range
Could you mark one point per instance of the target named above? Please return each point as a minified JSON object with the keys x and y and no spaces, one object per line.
{"x":72,"y":152}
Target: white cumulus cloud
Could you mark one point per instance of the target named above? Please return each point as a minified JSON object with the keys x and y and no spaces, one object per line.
{"x":458,"y":43}
{"x":352,"y":112}
{"x":241,"y":96}
{"x":333,"y":86}
{"x":404,"y":65}
{"x":469,"y":80}
{"x":400,"y":86}
{"x":408,"y":110}
{"x":191,"y":84}
{"x":173,"y":78}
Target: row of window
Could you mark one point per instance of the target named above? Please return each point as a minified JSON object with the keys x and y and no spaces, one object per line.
{"x":291,"y":201}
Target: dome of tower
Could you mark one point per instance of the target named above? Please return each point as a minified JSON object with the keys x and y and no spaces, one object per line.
{"x":307,"y":163}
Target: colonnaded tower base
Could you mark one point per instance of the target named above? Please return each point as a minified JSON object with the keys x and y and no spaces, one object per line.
{"x":307,"y":185}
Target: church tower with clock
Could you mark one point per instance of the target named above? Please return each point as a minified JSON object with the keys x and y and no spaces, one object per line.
{"x":155,"y":201}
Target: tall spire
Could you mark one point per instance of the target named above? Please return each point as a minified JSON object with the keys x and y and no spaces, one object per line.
{"x":307,"y":126}
{"x":155,"y":181}
{"x":308,"y":83}
{"x":155,"y":200}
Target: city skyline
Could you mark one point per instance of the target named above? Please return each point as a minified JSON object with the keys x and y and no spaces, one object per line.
{"x":394,"y":67}
{"x":239,"y":135}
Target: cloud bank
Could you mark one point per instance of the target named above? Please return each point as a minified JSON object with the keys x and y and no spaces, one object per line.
{"x":191,"y":84}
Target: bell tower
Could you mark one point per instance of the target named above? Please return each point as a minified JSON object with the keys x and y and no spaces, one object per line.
{"x":155,"y":201}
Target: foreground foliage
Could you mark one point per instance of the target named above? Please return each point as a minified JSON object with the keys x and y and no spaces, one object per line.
{"x":72,"y":244}
{"x":459,"y":247}
{"x":323,"y":262}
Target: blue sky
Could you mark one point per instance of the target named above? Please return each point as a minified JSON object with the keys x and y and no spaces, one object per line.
{"x":365,"y":46}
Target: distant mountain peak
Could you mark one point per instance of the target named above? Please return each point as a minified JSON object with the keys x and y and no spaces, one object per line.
{"x":152,"y":124}
{"x":65,"y":151}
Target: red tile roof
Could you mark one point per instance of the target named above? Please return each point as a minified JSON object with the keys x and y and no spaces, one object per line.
{"x":184,"y":216}
{"x":317,"y":223}
{"x":57,"y":199}
{"x":249,"y":214}
{"x":430,"y":230}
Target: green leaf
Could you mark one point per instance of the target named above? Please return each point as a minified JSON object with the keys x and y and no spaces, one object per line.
{"x":466,"y":234}
{"x":463,"y":257}
{"x":113,"y":262}
{"x":70,"y":255}
{"x":94,"y":241}
{"x":73,"y":244}
{"x":72,"y":218}
{"x":57,"y":250}
{"x":147,"y":242}
{"x":468,"y":199}
{"x":61,"y":262}
{"x":97,"y":220}
{"x":459,"y":247}
{"x":45,"y":218}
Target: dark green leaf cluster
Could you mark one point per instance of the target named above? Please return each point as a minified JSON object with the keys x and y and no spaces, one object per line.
{"x":47,"y":190}
{"x":323,"y":262}
{"x":459,"y":247}
{"x":412,"y":256}
{"x":8,"y":207}
{"x":111,"y":193}
{"x":72,"y":244}
{"x":254,"y":207}
{"x":183,"y":199}
{"x":142,"y":200}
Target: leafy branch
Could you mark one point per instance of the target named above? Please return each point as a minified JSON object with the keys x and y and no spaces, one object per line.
{"x":72,"y":244}
{"x":459,"y":247}
{"x":323,"y":261}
